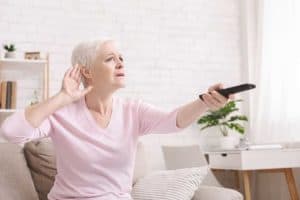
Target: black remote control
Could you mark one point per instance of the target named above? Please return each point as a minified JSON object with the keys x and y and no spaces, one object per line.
{"x":235,"y":89}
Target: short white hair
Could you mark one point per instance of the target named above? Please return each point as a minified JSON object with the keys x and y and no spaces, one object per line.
{"x":84,"y":53}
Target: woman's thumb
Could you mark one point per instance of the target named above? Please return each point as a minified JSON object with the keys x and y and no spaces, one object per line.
{"x":87,"y":90}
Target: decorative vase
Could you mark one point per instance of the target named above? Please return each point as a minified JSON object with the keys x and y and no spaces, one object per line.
{"x":9,"y":54}
{"x":215,"y":140}
{"x":228,"y":142}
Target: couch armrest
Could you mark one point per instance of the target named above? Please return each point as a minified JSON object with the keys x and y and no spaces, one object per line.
{"x":216,"y":193}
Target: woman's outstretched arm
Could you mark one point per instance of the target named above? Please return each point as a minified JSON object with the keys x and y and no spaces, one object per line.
{"x":154,"y":120}
{"x":190,"y":112}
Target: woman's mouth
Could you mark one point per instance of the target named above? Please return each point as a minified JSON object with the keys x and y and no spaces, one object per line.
{"x":120,"y":75}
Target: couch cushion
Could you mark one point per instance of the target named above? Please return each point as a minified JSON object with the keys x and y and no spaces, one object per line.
{"x":140,"y":168}
{"x":40,"y":158}
{"x":178,"y":184}
{"x":177,"y":157}
{"x":214,"y":193}
{"x":15,"y":179}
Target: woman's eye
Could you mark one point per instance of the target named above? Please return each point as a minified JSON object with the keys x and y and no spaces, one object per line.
{"x":108,"y":59}
{"x":121,"y":59}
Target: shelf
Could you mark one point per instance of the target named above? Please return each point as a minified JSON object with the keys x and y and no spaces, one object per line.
{"x":16,"y":64}
{"x":20,"y":69}
{"x":21,"y":61}
{"x":8,"y":110}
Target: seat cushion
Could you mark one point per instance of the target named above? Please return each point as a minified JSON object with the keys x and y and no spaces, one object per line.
{"x":177,"y":157}
{"x":40,"y":158}
{"x":216,"y":193}
{"x":169,"y":184}
{"x":140,"y":165}
{"x":15,"y":178}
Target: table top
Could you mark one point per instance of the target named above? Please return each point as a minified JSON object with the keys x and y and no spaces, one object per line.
{"x":254,"y":159}
{"x":239,"y":151}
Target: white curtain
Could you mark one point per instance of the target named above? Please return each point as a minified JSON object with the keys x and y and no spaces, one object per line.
{"x":272,"y":42}
{"x":271,"y":55}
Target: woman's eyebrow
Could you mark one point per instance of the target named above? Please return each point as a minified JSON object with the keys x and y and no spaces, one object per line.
{"x":113,"y":54}
{"x":109,"y":54}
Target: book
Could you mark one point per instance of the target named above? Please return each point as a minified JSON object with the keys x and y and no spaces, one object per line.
{"x":8,"y":95}
{"x":248,"y":148}
{"x":3,"y":94}
{"x":264,"y":146}
{"x":14,"y":95}
{"x":0,"y":96}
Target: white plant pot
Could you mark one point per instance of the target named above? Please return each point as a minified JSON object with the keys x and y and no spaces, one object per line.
{"x":213,"y":139}
{"x":228,"y":142}
{"x":9,"y":55}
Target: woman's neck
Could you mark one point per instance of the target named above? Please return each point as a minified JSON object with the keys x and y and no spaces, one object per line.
{"x":101,"y":103}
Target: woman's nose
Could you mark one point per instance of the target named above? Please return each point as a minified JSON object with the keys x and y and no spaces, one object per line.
{"x":119,"y":64}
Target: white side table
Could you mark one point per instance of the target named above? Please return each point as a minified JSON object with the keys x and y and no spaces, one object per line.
{"x":246,"y":161}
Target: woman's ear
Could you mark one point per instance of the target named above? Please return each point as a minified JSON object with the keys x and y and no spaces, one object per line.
{"x":86,"y":72}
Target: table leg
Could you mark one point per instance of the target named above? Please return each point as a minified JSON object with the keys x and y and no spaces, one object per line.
{"x":291,"y":183}
{"x":237,"y":180}
{"x":246,"y":181}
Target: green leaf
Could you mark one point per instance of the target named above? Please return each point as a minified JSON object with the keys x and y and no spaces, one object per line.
{"x":220,"y":117}
{"x":237,"y":127}
{"x":10,"y":47}
{"x":206,"y":119}
{"x":207,"y":126}
{"x":238,"y":117}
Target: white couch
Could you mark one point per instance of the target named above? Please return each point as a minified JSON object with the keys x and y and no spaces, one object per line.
{"x":28,"y":173}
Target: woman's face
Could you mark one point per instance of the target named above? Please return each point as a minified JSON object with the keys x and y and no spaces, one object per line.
{"x":107,"y":73}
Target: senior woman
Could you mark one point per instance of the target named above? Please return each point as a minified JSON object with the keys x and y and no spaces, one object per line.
{"x":94,"y":132}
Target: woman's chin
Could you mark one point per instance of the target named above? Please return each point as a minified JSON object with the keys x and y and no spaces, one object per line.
{"x":120,"y":85}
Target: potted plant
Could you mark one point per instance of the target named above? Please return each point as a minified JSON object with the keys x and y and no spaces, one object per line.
{"x":225,"y":120}
{"x":35,"y":98}
{"x":10,"y":50}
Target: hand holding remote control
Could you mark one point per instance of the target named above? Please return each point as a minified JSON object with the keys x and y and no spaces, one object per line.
{"x":232,"y":90}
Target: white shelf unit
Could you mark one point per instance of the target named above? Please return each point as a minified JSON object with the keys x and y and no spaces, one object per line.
{"x":29,"y":65}
{"x":8,"y":110}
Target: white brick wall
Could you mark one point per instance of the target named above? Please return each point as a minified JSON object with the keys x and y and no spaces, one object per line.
{"x":173,"y":49}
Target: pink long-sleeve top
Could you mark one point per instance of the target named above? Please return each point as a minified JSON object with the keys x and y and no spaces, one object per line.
{"x":93,"y":163}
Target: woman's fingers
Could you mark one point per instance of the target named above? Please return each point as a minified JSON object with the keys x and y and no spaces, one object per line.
{"x":78,"y":74}
{"x":207,"y":102}
{"x":87,"y":90}
{"x":219,"y":97}
{"x":68,"y":72}
{"x":73,"y":72}
{"x":215,"y":87}
{"x":212,"y":104}
{"x":231,"y":96}
{"x":213,"y":99}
